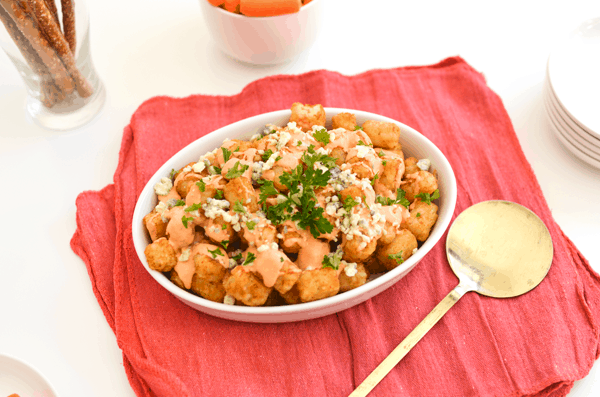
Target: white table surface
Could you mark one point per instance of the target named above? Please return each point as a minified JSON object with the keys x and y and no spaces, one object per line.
{"x":49,"y":316}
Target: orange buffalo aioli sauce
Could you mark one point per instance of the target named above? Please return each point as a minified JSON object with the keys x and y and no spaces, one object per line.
{"x":256,"y":237}
{"x":311,"y":253}
{"x":394,"y":214}
{"x":151,"y":226}
{"x":172,"y":195}
{"x":268,"y":264}
{"x":289,"y":159}
{"x":186,"y":268}
{"x":214,"y":229}
{"x":179,"y":235}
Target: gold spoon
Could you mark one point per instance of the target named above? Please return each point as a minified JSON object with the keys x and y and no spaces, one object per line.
{"x":496,"y":248}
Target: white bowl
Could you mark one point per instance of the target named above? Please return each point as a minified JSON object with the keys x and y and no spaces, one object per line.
{"x":263,"y":40}
{"x":413,"y":144}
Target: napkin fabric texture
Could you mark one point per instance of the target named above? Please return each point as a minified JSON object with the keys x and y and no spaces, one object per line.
{"x":533,"y":345}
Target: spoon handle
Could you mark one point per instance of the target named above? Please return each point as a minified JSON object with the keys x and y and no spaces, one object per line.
{"x":408,"y":343}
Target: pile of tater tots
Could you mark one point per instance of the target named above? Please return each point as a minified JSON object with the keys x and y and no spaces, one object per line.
{"x":295,"y":214}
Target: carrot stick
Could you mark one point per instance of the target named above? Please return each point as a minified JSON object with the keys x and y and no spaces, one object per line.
{"x":216,"y":3}
{"x":269,"y":8}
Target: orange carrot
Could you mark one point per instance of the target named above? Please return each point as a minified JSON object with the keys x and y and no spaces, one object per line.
{"x":269,"y":8}
{"x":232,"y":5}
{"x":216,"y":3}
{"x":305,"y":2}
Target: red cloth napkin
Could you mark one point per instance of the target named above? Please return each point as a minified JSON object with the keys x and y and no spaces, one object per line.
{"x":535,"y":344}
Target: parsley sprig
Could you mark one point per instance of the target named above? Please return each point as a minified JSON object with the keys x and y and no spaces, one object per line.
{"x":201,"y":185}
{"x":216,"y":252}
{"x":400,"y":199}
{"x":185,"y":220}
{"x":322,"y":136}
{"x":226,"y":154}
{"x":426,"y":197}
{"x":249,"y":259}
{"x":236,"y":171}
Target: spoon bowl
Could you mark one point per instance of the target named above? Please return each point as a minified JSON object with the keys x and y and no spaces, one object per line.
{"x":496,"y":248}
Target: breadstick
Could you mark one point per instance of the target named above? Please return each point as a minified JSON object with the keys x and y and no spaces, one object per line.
{"x":68,"y":13}
{"x":52,"y":7}
{"x":48,"y":90}
{"x":57,"y":40}
{"x":31,"y":31}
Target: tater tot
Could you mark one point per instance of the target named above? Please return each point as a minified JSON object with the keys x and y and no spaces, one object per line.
{"x":155,"y":225}
{"x":357,"y":249}
{"x":240,"y":189}
{"x":383,"y":134}
{"x":419,"y":182}
{"x":399,"y":250}
{"x":391,"y":176}
{"x":292,"y":297}
{"x":344,"y":120}
{"x":318,"y":284}
{"x":218,"y":230}
{"x":184,"y":184}
{"x":209,"y":269}
{"x":290,"y":273}
{"x":208,"y":290}
{"x":422,"y":218}
{"x":347,"y":283}
{"x":246,"y":287}
{"x":160,"y":255}
{"x":374,"y":266}
{"x":175,"y":279}
{"x":339,"y":155}
{"x":361,"y":167}
{"x":305,"y":116}
{"x":410,"y":166}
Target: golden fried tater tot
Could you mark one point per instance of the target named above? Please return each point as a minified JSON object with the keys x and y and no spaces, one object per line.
{"x":383,"y":134}
{"x":213,"y":291}
{"x":344,"y":120}
{"x":419,"y":182}
{"x":305,"y":116}
{"x":357,"y":249}
{"x":245,"y":287}
{"x":240,"y":189}
{"x":209,"y":269}
{"x":422,"y":218}
{"x":318,"y":284}
{"x":155,"y":225}
{"x":399,"y":250}
{"x":347,"y":283}
{"x":410,"y":166}
{"x":160,"y":255}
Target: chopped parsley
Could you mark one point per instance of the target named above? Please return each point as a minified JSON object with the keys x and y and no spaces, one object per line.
{"x":214,"y":170}
{"x":322,"y":136}
{"x":426,"y":197}
{"x":193,"y":207}
{"x":173,"y":173}
{"x":299,"y":143}
{"x":250,"y":225}
{"x":384,"y":162}
{"x":249,"y":259}
{"x":267,"y":189}
{"x":418,"y":214}
{"x":397,"y":257}
{"x":349,"y":203}
{"x":266,"y":155}
{"x":360,"y":142}
{"x":226,"y":154}
{"x":281,"y":259}
{"x":374,"y":179}
{"x":224,"y":226}
{"x":215,"y":252}
{"x":239,"y":207}
{"x":201,"y":185}
{"x":381,"y":154}
{"x":332,"y":260}
{"x":225,"y":243}
{"x":185,"y":220}
{"x":237,"y":257}
{"x":236,"y":171}
{"x":219,"y":195}
{"x":179,"y":203}
{"x":400,"y":199}
{"x":358,"y":127}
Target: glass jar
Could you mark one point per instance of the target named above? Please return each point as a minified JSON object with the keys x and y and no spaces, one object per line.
{"x":49,"y":45}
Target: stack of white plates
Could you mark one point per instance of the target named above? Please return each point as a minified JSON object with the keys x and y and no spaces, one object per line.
{"x":572,"y":92}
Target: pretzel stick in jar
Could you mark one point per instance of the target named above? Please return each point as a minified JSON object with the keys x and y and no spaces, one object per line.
{"x":68,"y":13}
{"x":24,"y":19}
{"x":50,"y":93}
{"x":60,"y":44}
